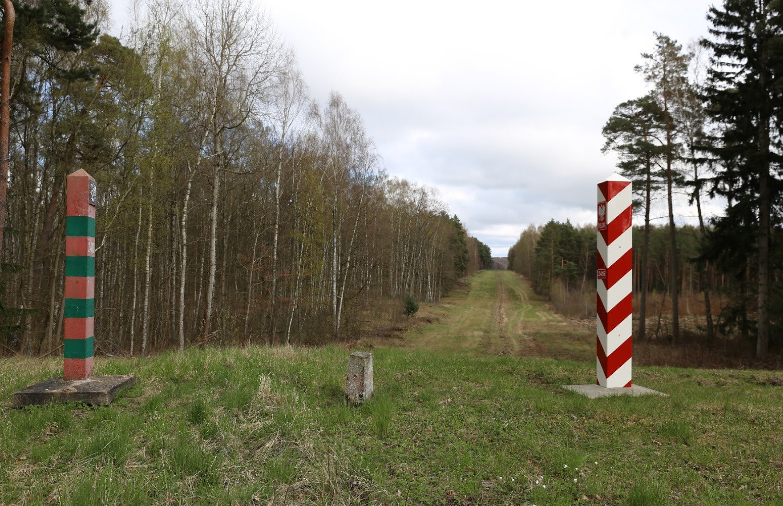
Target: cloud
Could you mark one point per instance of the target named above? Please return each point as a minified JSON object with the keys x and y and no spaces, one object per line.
{"x":498,"y":104}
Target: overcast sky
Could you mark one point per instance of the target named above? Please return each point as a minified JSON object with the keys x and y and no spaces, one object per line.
{"x":497,"y":104}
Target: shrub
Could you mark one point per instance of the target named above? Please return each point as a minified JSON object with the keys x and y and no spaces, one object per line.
{"x":410,"y":305}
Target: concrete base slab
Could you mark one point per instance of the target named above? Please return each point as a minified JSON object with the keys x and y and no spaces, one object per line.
{"x":594,"y":391}
{"x":98,"y":390}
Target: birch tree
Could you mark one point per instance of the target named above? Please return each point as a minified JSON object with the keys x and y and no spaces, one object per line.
{"x":289,"y":100}
{"x":236,"y":51}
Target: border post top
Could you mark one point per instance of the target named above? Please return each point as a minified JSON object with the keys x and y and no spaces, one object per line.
{"x":82,"y":194}
{"x":611,"y":186}
{"x":79,"y":173}
{"x":615,"y":177}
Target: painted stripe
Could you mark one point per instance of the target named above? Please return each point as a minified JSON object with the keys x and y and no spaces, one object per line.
{"x":617,"y":204}
{"x":613,"y":252}
{"x":599,"y":372}
{"x":80,"y":209}
{"x":79,"y":328}
{"x":79,"y":287}
{"x":80,"y":226}
{"x":601,"y":354}
{"x":78,"y":194}
{"x":80,"y":246}
{"x":78,"y":368}
{"x":615,"y":228}
{"x":619,"y":269}
{"x":622,"y":377}
{"x":615,"y":316}
{"x":79,"y":348}
{"x":80,"y":266}
{"x":612,"y":296}
{"x":79,"y":308}
{"x":612,"y":340}
{"x":614,"y":361}
{"x":611,"y":188}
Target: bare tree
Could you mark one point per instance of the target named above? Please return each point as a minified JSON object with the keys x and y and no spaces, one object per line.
{"x":351,"y":159}
{"x":237,"y":55}
{"x":290,"y":98}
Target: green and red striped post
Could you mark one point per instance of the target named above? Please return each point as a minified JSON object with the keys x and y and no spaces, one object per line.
{"x":81,"y":198}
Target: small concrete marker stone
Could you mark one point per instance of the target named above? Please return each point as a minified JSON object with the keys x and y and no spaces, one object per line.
{"x":595,"y":391}
{"x":358,"y":384}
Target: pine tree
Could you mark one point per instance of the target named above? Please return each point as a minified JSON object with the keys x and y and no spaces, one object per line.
{"x":634,"y":133}
{"x":666,"y":69}
{"x":743,"y":96}
{"x":692,"y":119}
{"x":459,"y":245}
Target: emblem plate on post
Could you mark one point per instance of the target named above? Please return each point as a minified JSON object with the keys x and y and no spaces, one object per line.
{"x":93,"y":193}
{"x":602,"y":216}
{"x":601,"y":274}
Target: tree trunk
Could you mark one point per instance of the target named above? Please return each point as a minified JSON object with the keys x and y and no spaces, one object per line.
{"x":335,"y":263}
{"x":673,"y":284}
{"x":5,"y":112}
{"x":347,"y":268}
{"x":47,"y":344}
{"x":135,"y":283}
{"x":645,"y":274}
{"x":212,"y":251}
{"x":762,"y":344}
{"x":703,"y":269}
{"x":273,"y":294}
{"x":147,"y":278}
{"x":223,"y":273}
{"x":184,"y":264}
{"x":250,"y":288}
{"x":297,"y":290}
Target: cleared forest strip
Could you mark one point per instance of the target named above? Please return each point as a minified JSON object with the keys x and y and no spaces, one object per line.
{"x":499,"y":314}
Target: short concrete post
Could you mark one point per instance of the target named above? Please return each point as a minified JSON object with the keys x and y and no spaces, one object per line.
{"x":358,"y":384}
{"x":79,"y":275}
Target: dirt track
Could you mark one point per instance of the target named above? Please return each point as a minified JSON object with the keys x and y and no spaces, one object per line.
{"x":499,"y":314}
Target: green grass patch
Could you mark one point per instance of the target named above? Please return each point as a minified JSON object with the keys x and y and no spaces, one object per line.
{"x":441,"y":427}
{"x":447,"y":425}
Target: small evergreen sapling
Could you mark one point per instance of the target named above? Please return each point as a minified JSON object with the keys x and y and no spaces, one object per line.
{"x":411,"y":307}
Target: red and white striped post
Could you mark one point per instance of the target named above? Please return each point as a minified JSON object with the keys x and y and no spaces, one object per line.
{"x":614,"y":300}
{"x":81,"y":196}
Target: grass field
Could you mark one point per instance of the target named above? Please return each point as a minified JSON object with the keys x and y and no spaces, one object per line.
{"x":461,"y":415}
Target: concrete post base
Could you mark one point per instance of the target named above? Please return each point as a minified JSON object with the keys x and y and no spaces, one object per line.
{"x":594,"y":391}
{"x":97,"y":390}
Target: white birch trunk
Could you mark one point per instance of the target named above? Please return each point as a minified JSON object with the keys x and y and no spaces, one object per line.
{"x":250,"y":288}
{"x":184,"y":264}
{"x":148,"y":278}
{"x":135,"y":284}
{"x":212,"y":251}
